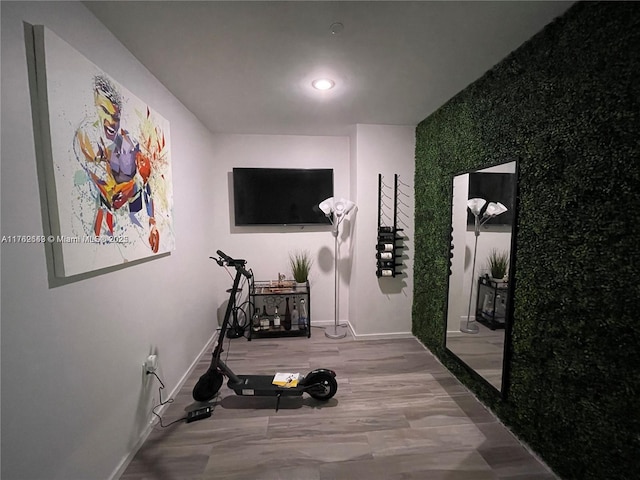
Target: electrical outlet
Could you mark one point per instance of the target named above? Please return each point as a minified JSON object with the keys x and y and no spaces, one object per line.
{"x":151,"y":364}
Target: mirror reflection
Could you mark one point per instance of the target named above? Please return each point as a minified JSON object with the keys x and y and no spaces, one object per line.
{"x":482,"y":218}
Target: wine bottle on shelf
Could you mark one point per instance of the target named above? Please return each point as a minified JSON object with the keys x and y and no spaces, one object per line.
{"x":303,"y":320}
{"x":286,"y":323}
{"x":276,"y":319}
{"x":264,"y":320}
{"x":388,"y":264}
{"x":295,"y":315}
{"x":385,"y":247}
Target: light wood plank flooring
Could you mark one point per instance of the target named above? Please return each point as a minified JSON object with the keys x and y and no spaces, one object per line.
{"x":398,"y":414}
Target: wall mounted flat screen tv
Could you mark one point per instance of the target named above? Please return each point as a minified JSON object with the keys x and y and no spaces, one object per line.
{"x":280,"y":196}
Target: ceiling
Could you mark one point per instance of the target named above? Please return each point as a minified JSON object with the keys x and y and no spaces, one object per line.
{"x":247,"y":67}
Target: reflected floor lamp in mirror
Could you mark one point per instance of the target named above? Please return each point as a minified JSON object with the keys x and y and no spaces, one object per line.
{"x":494,"y":209}
{"x":336,"y":211}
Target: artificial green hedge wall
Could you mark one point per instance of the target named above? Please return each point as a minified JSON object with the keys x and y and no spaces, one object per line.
{"x":566,"y":105}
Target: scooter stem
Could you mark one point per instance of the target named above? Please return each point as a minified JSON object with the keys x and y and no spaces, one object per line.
{"x":233,"y":378}
{"x":240,"y":271}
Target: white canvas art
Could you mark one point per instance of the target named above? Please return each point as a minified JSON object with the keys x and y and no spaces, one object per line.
{"x":107,"y":161}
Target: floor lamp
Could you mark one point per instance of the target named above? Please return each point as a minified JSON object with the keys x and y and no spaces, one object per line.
{"x":336,"y":211}
{"x":493,"y":210}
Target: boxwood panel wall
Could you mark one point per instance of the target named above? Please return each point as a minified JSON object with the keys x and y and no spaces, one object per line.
{"x":566,"y":105}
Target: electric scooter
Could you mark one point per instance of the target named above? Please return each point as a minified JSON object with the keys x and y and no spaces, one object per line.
{"x":320,"y":384}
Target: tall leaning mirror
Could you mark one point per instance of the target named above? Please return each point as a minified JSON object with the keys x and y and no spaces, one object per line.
{"x":480,"y":293}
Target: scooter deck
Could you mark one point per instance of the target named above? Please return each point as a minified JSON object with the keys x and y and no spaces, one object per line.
{"x":261,"y":386}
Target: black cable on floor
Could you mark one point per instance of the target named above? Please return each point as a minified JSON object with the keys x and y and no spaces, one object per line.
{"x":163,"y":403}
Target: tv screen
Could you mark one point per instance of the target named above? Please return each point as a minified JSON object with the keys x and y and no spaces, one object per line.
{"x":280,"y":196}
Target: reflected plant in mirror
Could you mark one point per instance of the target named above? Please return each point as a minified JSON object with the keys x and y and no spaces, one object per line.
{"x":478,"y":316}
{"x":498,"y":264}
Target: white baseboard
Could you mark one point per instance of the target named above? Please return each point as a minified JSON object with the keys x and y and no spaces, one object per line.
{"x":363,"y":336}
{"x":381,"y":336}
{"x":117,"y":473}
{"x":323,"y":323}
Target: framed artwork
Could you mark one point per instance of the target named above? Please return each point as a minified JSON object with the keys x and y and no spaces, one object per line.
{"x":107,"y":164}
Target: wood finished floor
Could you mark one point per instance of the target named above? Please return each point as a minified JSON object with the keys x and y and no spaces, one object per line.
{"x":398,"y":414}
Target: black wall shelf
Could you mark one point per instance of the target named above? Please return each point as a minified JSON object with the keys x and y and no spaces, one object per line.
{"x":390,"y":241}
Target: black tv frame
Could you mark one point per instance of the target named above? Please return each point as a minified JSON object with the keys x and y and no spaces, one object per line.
{"x":267,"y":196}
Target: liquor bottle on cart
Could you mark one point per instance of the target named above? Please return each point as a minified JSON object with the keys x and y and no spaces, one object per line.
{"x":295,"y":315}
{"x":286,"y":322}
{"x":255,"y":322}
{"x":264,"y":319}
{"x":276,"y":319}
{"x":303,"y":320}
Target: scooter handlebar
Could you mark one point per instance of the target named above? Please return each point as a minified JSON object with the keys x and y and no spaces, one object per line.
{"x":235,"y":262}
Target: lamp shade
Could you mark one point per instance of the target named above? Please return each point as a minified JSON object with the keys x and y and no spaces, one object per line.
{"x":327,"y":206}
{"x":343,"y":206}
{"x":494,"y":209}
{"x":475,"y":205}
{"x":338,"y":207}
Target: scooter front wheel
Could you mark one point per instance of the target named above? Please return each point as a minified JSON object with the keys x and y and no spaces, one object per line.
{"x":207,"y":386}
{"x":321,"y":385}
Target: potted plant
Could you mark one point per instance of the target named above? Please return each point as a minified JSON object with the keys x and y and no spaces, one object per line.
{"x":300,"y":265}
{"x":498,"y":264}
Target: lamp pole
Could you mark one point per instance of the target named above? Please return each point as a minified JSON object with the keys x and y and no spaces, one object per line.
{"x":336,"y":331}
{"x":493,"y":210}
{"x":336,"y":210}
{"x":472,"y":327}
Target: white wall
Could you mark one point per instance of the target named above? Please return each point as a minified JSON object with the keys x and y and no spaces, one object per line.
{"x":75,"y":402}
{"x":372,"y":306}
{"x":266,"y":249}
{"x":74,"y":399}
{"x":382,"y":306}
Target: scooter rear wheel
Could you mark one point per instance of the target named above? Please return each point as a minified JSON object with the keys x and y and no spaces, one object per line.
{"x":322,"y":386}
{"x":208,"y":386}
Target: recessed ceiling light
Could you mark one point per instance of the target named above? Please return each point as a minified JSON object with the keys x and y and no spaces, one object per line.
{"x":336,"y":28}
{"x":323,"y":84}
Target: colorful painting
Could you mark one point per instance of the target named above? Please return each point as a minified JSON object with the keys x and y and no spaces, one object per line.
{"x":107,"y":161}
